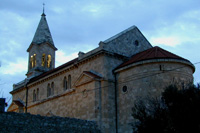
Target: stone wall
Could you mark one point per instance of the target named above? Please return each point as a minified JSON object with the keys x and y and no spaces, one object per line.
{"x":85,"y":100}
{"x":94,"y":100}
{"x":148,"y":79}
{"x":127,"y":43}
{"x":17,"y":122}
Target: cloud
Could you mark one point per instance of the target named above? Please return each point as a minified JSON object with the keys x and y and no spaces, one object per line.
{"x":62,"y":58}
{"x":170,"y":41}
{"x":184,"y":29}
{"x":14,"y":68}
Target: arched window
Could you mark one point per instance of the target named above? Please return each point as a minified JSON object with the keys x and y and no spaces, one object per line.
{"x":69,"y":81}
{"x":34,"y":96}
{"x":37,"y":96}
{"x":65,"y":83}
{"x":33,"y":60}
{"x":52,"y":88}
{"x":49,"y":61}
{"x":43,"y":60}
{"x":48,"y":90}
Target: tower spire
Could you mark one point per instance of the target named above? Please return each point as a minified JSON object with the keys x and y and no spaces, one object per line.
{"x":41,"y":50}
{"x":43,"y":14}
{"x":43,"y":7}
{"x":43,"y":34}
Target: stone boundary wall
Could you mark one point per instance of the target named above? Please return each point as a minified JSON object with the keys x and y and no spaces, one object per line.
{"x":11,"y":122}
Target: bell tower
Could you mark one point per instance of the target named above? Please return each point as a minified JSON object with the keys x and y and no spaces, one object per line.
{"x":41,"y":50}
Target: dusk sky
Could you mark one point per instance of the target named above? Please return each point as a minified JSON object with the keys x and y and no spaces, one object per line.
{"x":79,"y":25}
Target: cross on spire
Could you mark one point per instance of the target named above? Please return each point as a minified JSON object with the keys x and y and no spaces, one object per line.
{"x":43,"y":14}
{"x":43,"y":7}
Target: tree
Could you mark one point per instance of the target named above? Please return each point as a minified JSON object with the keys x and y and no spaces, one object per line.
{"x":176,"y":111}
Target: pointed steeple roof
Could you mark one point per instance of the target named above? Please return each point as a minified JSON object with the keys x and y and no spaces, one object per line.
{"x":43,"y":33}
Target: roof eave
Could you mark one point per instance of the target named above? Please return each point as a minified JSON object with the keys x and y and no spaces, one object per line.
{"x":118,"y":69}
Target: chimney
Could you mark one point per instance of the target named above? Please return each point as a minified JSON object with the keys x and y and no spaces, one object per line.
{"x":2,"y":105}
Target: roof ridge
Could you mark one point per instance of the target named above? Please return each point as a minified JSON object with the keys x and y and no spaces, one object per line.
{"x":170,"y":53}
{"x":119,"y":34}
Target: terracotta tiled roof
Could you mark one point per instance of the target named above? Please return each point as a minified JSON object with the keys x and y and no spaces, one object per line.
{"x":152,"y":53}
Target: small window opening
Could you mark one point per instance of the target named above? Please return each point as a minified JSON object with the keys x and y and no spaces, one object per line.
{"x":49,"y":61}
{"x":33,"y":60}
{"x":161,"y":67}
{"x":43,"y":60}
{"x":65,"y":83}
{"x":37,"y":96}
{"x":48,"y":90}
{"x":124,"y":89}
{"x":69,"y":82}
{"x":136,"y":42}
{"x":34,"y":96}
{"x":52,"y":88}
{"x":32,"y":63}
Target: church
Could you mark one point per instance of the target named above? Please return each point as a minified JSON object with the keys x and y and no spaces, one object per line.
{"x":100,"y":85}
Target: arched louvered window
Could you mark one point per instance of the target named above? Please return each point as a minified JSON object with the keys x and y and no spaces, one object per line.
{"x":49,"y":61}
{"x":43,"y":60}
{"x":33,"y":61}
